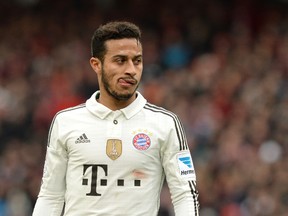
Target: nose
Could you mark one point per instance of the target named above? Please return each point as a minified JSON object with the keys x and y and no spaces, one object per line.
{"x":130,"y":68}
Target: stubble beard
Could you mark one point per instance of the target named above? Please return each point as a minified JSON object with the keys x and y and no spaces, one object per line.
{"x":111,"y":92}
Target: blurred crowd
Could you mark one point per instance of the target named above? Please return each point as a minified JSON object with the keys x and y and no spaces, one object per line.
{"x":221,"y":65}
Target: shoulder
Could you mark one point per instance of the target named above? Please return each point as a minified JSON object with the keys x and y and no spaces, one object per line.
{"x":71,"y":111}
{"x":159,"y":111}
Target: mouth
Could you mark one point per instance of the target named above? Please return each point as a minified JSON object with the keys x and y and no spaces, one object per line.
{"x":127,"y":81}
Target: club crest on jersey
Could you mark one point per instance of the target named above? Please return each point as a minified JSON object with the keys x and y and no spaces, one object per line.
{"x":141,"y":141}
{"x":114,"y":148}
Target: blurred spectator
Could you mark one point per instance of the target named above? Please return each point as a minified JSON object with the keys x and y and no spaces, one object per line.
{"x":222,"y":67}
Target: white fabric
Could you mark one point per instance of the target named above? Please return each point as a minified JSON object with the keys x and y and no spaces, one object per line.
{"x":79,"y":172}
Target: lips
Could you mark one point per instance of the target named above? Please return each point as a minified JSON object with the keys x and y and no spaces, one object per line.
{"x":129,"y":81}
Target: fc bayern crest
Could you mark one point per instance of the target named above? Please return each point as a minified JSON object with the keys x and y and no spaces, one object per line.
{"x":141,"y":141}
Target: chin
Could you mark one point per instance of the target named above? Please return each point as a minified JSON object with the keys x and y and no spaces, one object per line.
{"x":122,"y":96}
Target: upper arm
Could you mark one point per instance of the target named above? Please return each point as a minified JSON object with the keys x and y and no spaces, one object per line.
{"x":179,"y":171}
{"x":53,"y":186}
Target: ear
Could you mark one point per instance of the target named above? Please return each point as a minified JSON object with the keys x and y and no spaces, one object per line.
{"x":96,"y":65}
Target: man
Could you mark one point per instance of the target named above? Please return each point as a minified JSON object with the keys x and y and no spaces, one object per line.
{"x":110,"y":155}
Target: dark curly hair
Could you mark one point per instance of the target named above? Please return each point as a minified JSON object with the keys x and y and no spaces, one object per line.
{"x":111,"y":31}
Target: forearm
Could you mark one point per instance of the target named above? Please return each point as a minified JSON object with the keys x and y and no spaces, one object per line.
{"x":46,"y":206}
{"x":187,"y":205}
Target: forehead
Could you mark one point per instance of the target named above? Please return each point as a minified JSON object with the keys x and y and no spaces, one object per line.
{"x":126,"y":46}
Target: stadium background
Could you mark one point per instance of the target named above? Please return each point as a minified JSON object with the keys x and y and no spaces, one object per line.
{"x":221,"y":65}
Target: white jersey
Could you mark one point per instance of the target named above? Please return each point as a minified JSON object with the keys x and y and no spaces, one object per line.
{"x":105,"y":163}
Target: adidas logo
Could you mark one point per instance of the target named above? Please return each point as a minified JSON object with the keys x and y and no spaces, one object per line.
{"x":82,"y":139}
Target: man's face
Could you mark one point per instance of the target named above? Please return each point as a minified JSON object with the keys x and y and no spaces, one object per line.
{"x":122,"y":68}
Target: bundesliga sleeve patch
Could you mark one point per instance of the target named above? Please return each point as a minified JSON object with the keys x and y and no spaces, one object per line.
{"x":186,"y":167}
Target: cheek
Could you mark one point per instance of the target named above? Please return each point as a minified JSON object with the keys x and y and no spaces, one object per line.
{"x":138,"y":76}
{"x":112,"y":77}
{"x":109,"y":73}
{"x":139,"y":73}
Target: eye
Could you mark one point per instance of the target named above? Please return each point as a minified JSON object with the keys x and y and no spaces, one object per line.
{"x":138,"y":61}
{"x":120,"y":60}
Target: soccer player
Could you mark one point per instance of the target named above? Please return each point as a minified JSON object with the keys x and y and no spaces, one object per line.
{"x":110,"y":155}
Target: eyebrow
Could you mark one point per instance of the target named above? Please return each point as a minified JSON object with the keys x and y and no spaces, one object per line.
{"x":125,"y":56}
